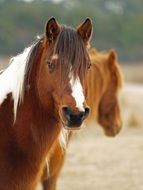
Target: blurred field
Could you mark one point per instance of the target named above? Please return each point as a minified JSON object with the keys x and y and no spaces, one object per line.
{"x":96,"y":162}
{"x":133,"y":72}
{"x":4,"y":61}
{"x":100,"y":163}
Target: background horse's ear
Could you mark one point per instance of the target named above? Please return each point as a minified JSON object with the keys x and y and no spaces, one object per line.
{"x":52,"y":29}
{"x":85,"y":30}
{"x":112,"y":56}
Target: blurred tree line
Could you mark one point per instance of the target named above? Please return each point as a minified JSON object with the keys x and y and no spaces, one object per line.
{"x":117,"y":23}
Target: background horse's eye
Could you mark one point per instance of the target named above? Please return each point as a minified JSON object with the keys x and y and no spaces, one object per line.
{"x":51,"y":66}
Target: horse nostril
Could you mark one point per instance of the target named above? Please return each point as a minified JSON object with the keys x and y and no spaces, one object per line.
{"x":84,"y":114}
{"x":81,"y":114}
{"x":87,"y":110}
{"x":66,"y":111}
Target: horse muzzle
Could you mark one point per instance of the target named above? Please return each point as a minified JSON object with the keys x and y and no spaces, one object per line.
{"x":74,"y":121}
{"x":112,"y":131}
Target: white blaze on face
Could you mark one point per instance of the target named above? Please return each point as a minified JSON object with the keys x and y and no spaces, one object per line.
{"x":77,"y":93}
{"x":55,"y":57}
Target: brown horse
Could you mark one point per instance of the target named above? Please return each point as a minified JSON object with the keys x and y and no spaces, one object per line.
{"x":104,"y":81}
{"x":41,"y":91}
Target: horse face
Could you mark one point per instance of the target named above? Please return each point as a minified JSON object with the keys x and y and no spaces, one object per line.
{"x":109,"y":115}
{"x":64,"y":68}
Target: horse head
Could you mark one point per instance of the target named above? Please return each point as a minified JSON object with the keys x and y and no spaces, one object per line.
{"x":64,"y":63}
{"x":104,"y":82}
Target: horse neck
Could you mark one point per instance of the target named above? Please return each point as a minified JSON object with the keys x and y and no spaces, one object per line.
{"x":36,"y":124}
{"x":33,"y":128}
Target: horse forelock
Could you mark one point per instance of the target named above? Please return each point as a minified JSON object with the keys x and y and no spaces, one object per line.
{"x":73,"y":59}
{"x":72,"y":54}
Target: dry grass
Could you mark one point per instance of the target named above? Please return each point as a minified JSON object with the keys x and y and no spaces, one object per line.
{"x":96,"y":162}
{"x":104,"y":164}
{"x":132,"y":105}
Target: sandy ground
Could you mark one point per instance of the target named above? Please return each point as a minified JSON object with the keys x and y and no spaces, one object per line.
{"x":132,"y":104}
{"x":96,"y":162}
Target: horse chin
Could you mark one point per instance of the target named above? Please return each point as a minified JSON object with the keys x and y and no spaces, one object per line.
{"x":112,"y":132}
{"x":73,"y":128}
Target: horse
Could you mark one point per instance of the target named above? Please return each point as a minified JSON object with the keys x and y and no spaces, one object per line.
{"x":104,"y":82}
{"x":41,"y":92}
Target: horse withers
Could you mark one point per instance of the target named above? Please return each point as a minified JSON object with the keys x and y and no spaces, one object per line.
{"x":42,"y":91}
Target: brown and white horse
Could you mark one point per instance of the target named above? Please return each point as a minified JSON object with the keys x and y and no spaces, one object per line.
{"x":104,"y":82}
{"x":42,"y":91}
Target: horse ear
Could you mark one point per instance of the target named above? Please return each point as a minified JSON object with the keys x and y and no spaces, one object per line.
{"x":52,"y":29}
{"x":112,"y":56}
{"x":85,"y":30}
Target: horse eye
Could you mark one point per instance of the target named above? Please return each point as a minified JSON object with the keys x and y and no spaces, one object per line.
{"x":51,"y":66}
{"x":89,"y":65}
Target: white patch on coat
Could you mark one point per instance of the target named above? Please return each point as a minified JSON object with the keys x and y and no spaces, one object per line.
{"x":55,"y":56}
{"x":77,"y":93}
{"x":12,"y":79}
{"x":63,"y":138}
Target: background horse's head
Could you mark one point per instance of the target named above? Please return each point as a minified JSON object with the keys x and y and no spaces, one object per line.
{"x":109,"y":78}
{"x":63,"y":66}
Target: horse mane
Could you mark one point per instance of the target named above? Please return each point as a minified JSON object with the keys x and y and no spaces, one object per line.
{"x":13,"y":77}
{"x":30,"y":61}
